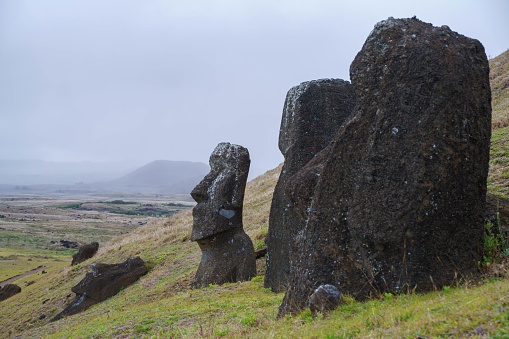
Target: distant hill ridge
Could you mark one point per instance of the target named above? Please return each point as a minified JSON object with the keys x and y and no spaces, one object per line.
{"x":162,"y":176}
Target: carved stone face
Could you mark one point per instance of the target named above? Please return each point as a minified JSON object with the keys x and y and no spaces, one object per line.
{"x":220,"y":194}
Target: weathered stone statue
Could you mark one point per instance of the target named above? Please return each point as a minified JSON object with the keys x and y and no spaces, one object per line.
{"x":103,"y":282}
{"x":8,"y":291}
{"x":84,"y":253}
{"x":399,"y":199}
{"x":312,"y":115}
{"x":227,"y":251}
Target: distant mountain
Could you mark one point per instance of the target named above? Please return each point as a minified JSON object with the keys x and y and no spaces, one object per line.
{"x":160,"y":176}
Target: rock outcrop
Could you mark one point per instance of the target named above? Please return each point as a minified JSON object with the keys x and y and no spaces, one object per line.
{"x":69,"y":244}
{"x":84,"y":253}
{"x":325,"y":298}
{"x":399,"y":201}
{"x":312,"y":115}
{"x":103,"y":282}
{"x":227,"y":251}
{"x":8,"y":291}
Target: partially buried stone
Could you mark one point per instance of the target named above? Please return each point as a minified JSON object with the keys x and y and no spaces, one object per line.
{"x":399,"y":201}
{"x":227,"y":251}
{"x":8,"y":291}
{"x":84,"y":253}
{"x":103,"y":282}
{"x":325,"y":298}
{"x":312,"y":115}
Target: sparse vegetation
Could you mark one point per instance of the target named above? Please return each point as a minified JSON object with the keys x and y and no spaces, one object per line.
{"x":499,"y":80}
{"x":498,"y":180}
{"x":121,"y":202}
{"x":73,"y":206}
{"x":496,"y":243}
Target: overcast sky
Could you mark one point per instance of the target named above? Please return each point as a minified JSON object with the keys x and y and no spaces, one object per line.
{"x":111,"y":80}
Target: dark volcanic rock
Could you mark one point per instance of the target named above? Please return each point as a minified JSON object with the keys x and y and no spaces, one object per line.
{"x":85,"y":252}
{"x":260,"y":252}
{"x":69,"y":244}
{"x":8,"y":291}
{"x":400,"y":198}
{"x":325,"y":298}
{"x":103,"y":282}
{"x":312,"y":115}
{"x":227,"y":251}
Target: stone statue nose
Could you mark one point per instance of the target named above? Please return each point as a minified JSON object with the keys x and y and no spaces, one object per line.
{"x":199,"y":194}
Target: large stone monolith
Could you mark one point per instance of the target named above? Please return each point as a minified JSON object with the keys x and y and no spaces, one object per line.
{"x":400,"y":198}
{"x":227,"y":251}
{"x":312,"y":115}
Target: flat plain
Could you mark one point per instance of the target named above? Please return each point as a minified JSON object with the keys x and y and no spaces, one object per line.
{"x":36,"y":230}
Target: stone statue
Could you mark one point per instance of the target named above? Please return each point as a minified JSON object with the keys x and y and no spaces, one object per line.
{"x":227,"y":251}
{"x":103,"y":282}
{"x":312,"y":115}
{"x":396,"y":202}
{"x":84,"y":253}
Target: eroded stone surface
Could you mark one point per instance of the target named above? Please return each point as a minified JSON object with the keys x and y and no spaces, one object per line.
{"x":84,"y":253}
{"x":325,"y":298}
{"x":312,"y":115}
{"x":397,"y":200}
{"x":102,"y":282}
{"x":8,"y":291}
{"x":227,"y":251}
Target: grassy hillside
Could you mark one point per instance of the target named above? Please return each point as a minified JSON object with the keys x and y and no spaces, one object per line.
{"x":499,"y":80}
{"x":162,"y":305}
{"x":172,"y":259}
{"x":498,"y":181}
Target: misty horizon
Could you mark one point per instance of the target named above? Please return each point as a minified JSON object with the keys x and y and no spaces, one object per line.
{"x":40,"y":172}
{"x":99,"y":81}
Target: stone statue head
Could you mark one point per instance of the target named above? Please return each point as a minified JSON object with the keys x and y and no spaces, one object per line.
{"x":220,"y":195}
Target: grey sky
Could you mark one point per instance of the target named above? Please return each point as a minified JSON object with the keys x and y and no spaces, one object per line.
{"x":110,"y":80}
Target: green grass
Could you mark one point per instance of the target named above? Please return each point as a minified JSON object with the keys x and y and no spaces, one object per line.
{"x":134,"y":208}
{"x":248,"y":310}
{"x":498,"y":180}
{"x":121,"y":202}
{"x":15,"y":261}
{"x":73,"y":206}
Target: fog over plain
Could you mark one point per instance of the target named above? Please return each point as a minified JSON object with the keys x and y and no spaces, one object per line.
{"x":126,"y":80}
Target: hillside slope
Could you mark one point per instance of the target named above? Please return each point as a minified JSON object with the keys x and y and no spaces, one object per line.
{"x":498,"y":181}
{"x":172,"y":257}
{"x":162,"y":305}
{"x":499,"y":80}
